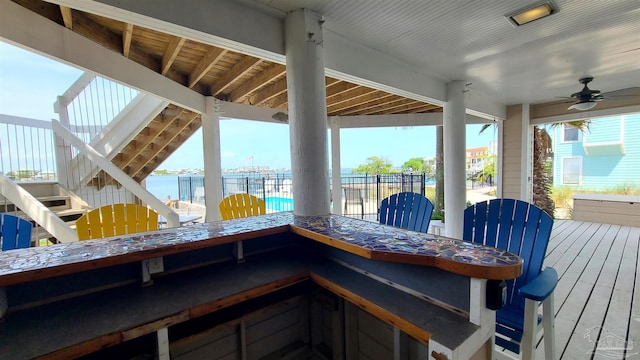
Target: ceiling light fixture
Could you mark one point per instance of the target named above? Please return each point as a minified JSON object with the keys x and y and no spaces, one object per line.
{"x":582,"y":106}
{"x":531,"y":13}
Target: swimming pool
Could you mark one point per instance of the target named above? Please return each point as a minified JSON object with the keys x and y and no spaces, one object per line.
{"x":276,"y":203}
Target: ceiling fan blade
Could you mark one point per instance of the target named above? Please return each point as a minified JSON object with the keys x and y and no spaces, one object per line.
{"x":632,"y":91}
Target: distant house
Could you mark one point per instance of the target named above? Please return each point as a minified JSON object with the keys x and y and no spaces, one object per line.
{"x":605,"y":156}
{"x":476,"y":158}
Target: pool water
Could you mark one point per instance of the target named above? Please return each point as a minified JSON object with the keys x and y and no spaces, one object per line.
{"x":276,"y":203}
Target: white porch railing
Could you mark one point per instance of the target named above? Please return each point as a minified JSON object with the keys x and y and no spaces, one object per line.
{"x":27,"y":151}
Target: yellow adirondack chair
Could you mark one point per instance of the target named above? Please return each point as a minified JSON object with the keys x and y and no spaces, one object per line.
{"x":241,"y":206}
{"x":116,"y":219}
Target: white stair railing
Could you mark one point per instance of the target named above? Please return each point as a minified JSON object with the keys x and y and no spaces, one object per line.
{"x":113,"y":137}
{"x":26,"y":149}
{"x":119,"y":175}
{"x":36,"y":210}
{"x":86,"y":108}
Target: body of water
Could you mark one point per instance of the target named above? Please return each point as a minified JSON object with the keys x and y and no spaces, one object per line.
{"x":163,"y":186}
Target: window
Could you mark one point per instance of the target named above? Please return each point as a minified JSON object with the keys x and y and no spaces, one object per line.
{"x":571,"y":170}
{"x":570,"y":133}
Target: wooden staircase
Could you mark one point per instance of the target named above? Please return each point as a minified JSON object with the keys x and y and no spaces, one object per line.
{"x":64,"y":204}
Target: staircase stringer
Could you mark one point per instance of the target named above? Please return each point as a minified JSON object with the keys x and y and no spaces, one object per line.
{"x":35,"y":210}
{"x":116,"y":135}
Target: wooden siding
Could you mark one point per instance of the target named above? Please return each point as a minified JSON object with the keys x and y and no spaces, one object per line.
{"x":607,"y":209}
{"x":264,"y":332}
{"x":512,"y":150}
{"x":370,"y":338}
{"x":603,"y":168}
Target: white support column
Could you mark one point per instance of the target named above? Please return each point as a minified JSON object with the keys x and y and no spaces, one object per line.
{"x":336,"y":175}
{"x":480,"y":315}
{"x":307,"y":112}
{"x":454,"y":159}
{"x":212,"y":160}
{"x":63,"y":149}
{"x":499,"y":158}
{"x":526,"y":155}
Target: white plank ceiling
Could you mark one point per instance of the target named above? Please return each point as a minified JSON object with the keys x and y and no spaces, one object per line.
{"x":473,"y":41}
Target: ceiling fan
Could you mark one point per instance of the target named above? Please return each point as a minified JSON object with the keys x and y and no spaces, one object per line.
{"x":586,"y":97}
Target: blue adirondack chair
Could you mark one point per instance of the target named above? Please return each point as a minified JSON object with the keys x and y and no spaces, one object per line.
{"x":406,"y":210}
{"x":522,"y":229}
{"x":15,"y":232}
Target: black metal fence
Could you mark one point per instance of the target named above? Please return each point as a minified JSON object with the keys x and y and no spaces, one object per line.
{"x":361,"y":194}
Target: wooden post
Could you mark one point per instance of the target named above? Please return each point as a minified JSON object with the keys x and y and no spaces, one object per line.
{"x":400,"y":344}
{"x":351,"y":330}
{"x":4,"y":304}
{"x":163,"y":344}
{"x":337,"y":331}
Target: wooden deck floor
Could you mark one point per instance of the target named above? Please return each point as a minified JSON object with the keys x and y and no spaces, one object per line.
{"x":597,"y":300}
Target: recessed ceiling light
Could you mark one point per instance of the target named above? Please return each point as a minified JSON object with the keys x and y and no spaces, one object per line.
{"x":531,"y":13}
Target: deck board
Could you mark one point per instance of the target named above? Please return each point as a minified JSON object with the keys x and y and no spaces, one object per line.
{"x":598,"y":293}
{"x":633,"y":334}
{"x":619,"y":308}
{"x":604,"y":272}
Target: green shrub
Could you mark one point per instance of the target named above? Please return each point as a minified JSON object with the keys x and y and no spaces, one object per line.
{"x":562,"y":196}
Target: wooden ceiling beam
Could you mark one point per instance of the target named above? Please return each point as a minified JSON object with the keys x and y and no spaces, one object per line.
{"x":127,"y":34}
{"x":206,"y":63}
{"x":405,"y":105}
{"x":353,"y":96}
{"x":330,"y":81}
{"x":359,"y":101}
{"x":386,"y":99}
{"x":67,"y":17}
{"x":279,"y":101}
{"x":271,"y":73}
{"x":269,"y":92}
{"x":424,"y":108}
{"x":90,"y":29}
{"x":230,"y":76}
{"x":339,"y":88}
{"x":171,"y":52}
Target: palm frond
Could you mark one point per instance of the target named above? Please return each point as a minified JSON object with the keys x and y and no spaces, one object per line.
{"x":582,"y":125}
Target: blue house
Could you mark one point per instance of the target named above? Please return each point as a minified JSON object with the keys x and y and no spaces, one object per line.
{"x":605,"y":156}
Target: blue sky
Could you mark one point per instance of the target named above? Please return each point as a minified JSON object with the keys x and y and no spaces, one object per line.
{"x":29,"y":84}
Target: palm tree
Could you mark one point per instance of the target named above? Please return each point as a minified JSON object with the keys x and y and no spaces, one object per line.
{"x":542,"y":173}
{"x":543,"y":163}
